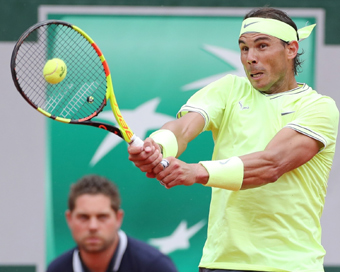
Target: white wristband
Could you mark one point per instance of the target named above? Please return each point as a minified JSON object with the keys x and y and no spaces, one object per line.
{"x":167,"y":140}
{"x":225,"y":174}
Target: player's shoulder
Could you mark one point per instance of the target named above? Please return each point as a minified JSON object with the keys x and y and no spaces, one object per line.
{"x":319,"y":101}
{"x":62,"y":263}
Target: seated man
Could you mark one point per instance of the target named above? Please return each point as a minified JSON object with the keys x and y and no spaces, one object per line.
{"x":94,"y":218}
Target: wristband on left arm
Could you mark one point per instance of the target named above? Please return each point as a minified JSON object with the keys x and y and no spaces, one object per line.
{"x":225,"y":174}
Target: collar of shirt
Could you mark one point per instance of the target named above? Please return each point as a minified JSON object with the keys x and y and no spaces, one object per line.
{"x":79,"y":266}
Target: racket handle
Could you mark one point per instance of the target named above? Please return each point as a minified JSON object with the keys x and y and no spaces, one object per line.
{"x":136,"y":141}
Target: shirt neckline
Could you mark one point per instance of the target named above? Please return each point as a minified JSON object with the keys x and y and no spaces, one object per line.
{"x":300,"y":88}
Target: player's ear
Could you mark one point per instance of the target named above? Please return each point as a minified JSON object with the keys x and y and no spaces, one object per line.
{"x":119,"y":216}
{"x":68,"y":217}
{"x":292,"y":49}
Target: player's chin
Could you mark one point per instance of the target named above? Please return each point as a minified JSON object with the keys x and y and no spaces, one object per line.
{"x":92,"y":248}
{"x":96,"y":247}
{"x":259,"y":85}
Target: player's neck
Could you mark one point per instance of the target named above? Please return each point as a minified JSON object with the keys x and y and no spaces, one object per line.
{"x":99,"y":262}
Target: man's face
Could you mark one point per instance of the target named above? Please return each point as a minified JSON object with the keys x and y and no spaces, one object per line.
{"x":93,"y":223}
{"x":267,"y":62}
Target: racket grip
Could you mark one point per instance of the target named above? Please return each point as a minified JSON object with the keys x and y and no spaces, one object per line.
{"x":136,"y":141}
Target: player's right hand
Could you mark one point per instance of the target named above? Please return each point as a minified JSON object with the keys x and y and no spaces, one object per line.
{"x":147,"y":157}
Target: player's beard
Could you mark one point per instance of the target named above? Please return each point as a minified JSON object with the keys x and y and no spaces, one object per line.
{"x":99,"y":246}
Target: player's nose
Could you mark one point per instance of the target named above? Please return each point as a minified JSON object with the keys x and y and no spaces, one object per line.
{"x":251,"y":56}
{"x":93,"y":223}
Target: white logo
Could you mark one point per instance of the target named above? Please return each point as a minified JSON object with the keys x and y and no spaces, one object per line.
{"x":288,"y":112}
{"x":246,"y":25}
{"x":243,"y":107}
{"x":141,"y":120}
{"x":229,"y":56}
{"x":224,"y":161}
{"x":179,"y":239}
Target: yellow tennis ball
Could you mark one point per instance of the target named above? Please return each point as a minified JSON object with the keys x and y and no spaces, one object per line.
{"x":55,"y":71}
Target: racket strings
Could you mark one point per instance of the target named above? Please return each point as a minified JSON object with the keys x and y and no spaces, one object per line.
{"x":85,"y":74}
{"x":72,"y":107}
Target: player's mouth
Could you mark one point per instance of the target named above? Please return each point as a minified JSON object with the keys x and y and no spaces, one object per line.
{"x":93,"y":239}
{"x":256,"y":75}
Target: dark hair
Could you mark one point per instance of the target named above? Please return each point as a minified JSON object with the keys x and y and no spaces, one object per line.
{"x":93,"y":185}
{"x":280,"y":15}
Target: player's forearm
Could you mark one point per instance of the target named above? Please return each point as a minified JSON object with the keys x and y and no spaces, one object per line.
{"x":185,"y":129}
{"x":260,"y":168}
{"x":245,"y":172}
{"x":182,"y":138}
{"x":202,"y":175}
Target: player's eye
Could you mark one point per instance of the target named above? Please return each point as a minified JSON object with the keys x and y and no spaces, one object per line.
{"x":82,"y":217}
{"x":263,"y":45}
{"x":103,"y":217}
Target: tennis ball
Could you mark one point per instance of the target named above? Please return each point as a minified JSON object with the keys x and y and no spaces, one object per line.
{"x":55,"y":71}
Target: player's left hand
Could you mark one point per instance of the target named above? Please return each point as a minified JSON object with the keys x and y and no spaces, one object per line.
{"x":181,"y":173}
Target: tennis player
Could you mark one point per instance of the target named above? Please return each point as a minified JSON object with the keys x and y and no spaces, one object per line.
{"x":94,"y":218}
{"x":274,"y":146}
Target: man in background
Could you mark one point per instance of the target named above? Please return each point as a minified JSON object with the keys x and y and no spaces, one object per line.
{"x":94,"y":217}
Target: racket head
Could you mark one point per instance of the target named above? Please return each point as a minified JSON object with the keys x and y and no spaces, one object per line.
{"x":84,"y":91}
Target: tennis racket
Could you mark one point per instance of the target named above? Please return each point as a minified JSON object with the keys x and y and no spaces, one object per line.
{"x":85,"y":90}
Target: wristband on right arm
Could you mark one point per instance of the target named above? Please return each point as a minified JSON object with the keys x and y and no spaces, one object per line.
{"x":167,"y":141}
{"x":226,"y":174}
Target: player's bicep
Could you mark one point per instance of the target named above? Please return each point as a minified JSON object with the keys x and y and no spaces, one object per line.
{"x":292,"y":149}
{"x":288,"y":150}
